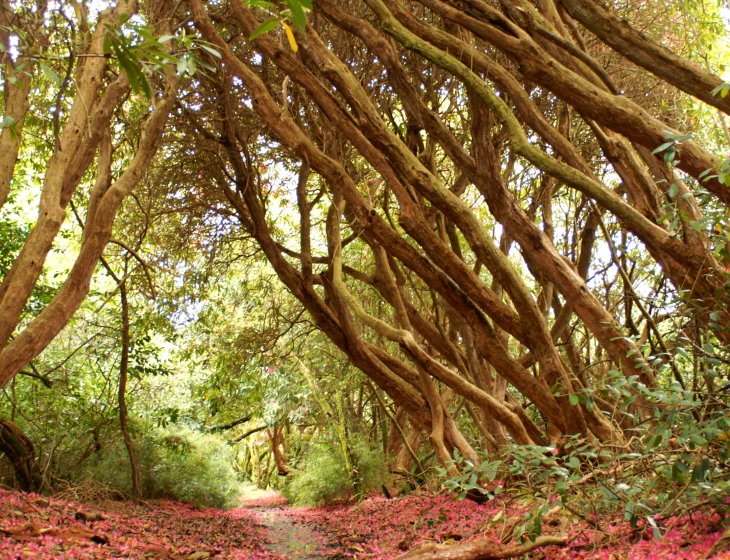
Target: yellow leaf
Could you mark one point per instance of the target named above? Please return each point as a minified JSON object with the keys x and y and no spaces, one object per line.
{"x":290,"y":36}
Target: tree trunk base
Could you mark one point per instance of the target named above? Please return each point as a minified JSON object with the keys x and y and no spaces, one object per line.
{"x":19,"y":450}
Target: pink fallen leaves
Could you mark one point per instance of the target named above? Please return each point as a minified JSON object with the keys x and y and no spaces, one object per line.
{"x":374,"y":528}
{"x":380,"y":528}
{"x":160,"y":530}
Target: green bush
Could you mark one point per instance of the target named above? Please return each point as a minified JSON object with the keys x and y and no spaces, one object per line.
{"x":175,"y":463}
{"x":371,"y":465}
{"x":677,"y":461}
{"x":324,"y":478}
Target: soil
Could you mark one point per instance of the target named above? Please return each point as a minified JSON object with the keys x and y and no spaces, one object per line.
{"x":288,"y":537}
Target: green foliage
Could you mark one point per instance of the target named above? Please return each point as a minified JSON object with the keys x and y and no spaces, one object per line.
{"x":195,"y":468}
{"x":13,"y":234}
{"x":722,"y":89}
{"x":175,"y":463}
{"x":671,"y":146}
{"x":139,"y":52}
{"x":325,"y":480}
{"x":471,"y":476}
{"x":678,"y":458}
{"x":293,"y":13}
{"x":370,"y":464}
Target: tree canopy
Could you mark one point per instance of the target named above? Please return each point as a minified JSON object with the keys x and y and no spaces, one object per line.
{"x":495,"y":225}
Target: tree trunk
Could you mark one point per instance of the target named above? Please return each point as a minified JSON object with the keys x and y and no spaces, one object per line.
{"x":19,"y":450}
{"x":122,"y":393}
{"x":86,"y":132}
{"x":276,"y":439}
{"x":488,"y":322}
{"x":483,"y":549}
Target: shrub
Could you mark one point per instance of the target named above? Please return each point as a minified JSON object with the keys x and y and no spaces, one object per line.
{"x":197,"y":469}
{"x":175,"y":463}
{"x":324,"y":479}
{"x":677,"y":461}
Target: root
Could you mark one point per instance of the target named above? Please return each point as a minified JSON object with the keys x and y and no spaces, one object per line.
{"x":483,"y":549}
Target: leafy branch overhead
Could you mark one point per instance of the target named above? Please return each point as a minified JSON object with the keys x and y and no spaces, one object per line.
{"x":294,"y":14}
{"x":140,"y":53}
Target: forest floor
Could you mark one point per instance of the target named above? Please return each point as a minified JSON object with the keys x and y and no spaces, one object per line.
{"x":42,"y":527}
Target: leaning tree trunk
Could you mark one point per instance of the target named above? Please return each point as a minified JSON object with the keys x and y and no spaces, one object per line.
{"x":86,"y":137}
{"x":19,"y":450}
{"x":459,"y":309}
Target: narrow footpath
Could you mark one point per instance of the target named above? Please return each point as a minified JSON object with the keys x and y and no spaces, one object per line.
{"x":288,"y":537}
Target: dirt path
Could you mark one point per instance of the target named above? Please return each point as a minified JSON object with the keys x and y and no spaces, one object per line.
{"x":289,"y":537}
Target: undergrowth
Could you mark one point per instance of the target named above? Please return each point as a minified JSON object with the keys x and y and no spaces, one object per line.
{"x":675,"y":462}
{"x":175,"y":463}
{"x":324,"y":478}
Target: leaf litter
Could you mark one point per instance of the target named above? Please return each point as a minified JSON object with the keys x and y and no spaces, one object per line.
{"x":42,"y":527}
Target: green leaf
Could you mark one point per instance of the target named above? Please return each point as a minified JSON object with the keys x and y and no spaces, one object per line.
{"x":210,"y":50}
{"x":574,"y":398}
{"x":129,"y":68}
{"x":699,"y":474}
{"x":182,"y":65}
{"x":673,"y":190}
{"x":663,"y":147}
{"x":107,"y":44}
{"x":722,"y":89}
{"x":265,"y":27}
{"x":145,"y":85}
{"x":628,"y":402}
{"x":51,"y":75}
{"x":653,"y":442}
{"x":297,"y":12}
